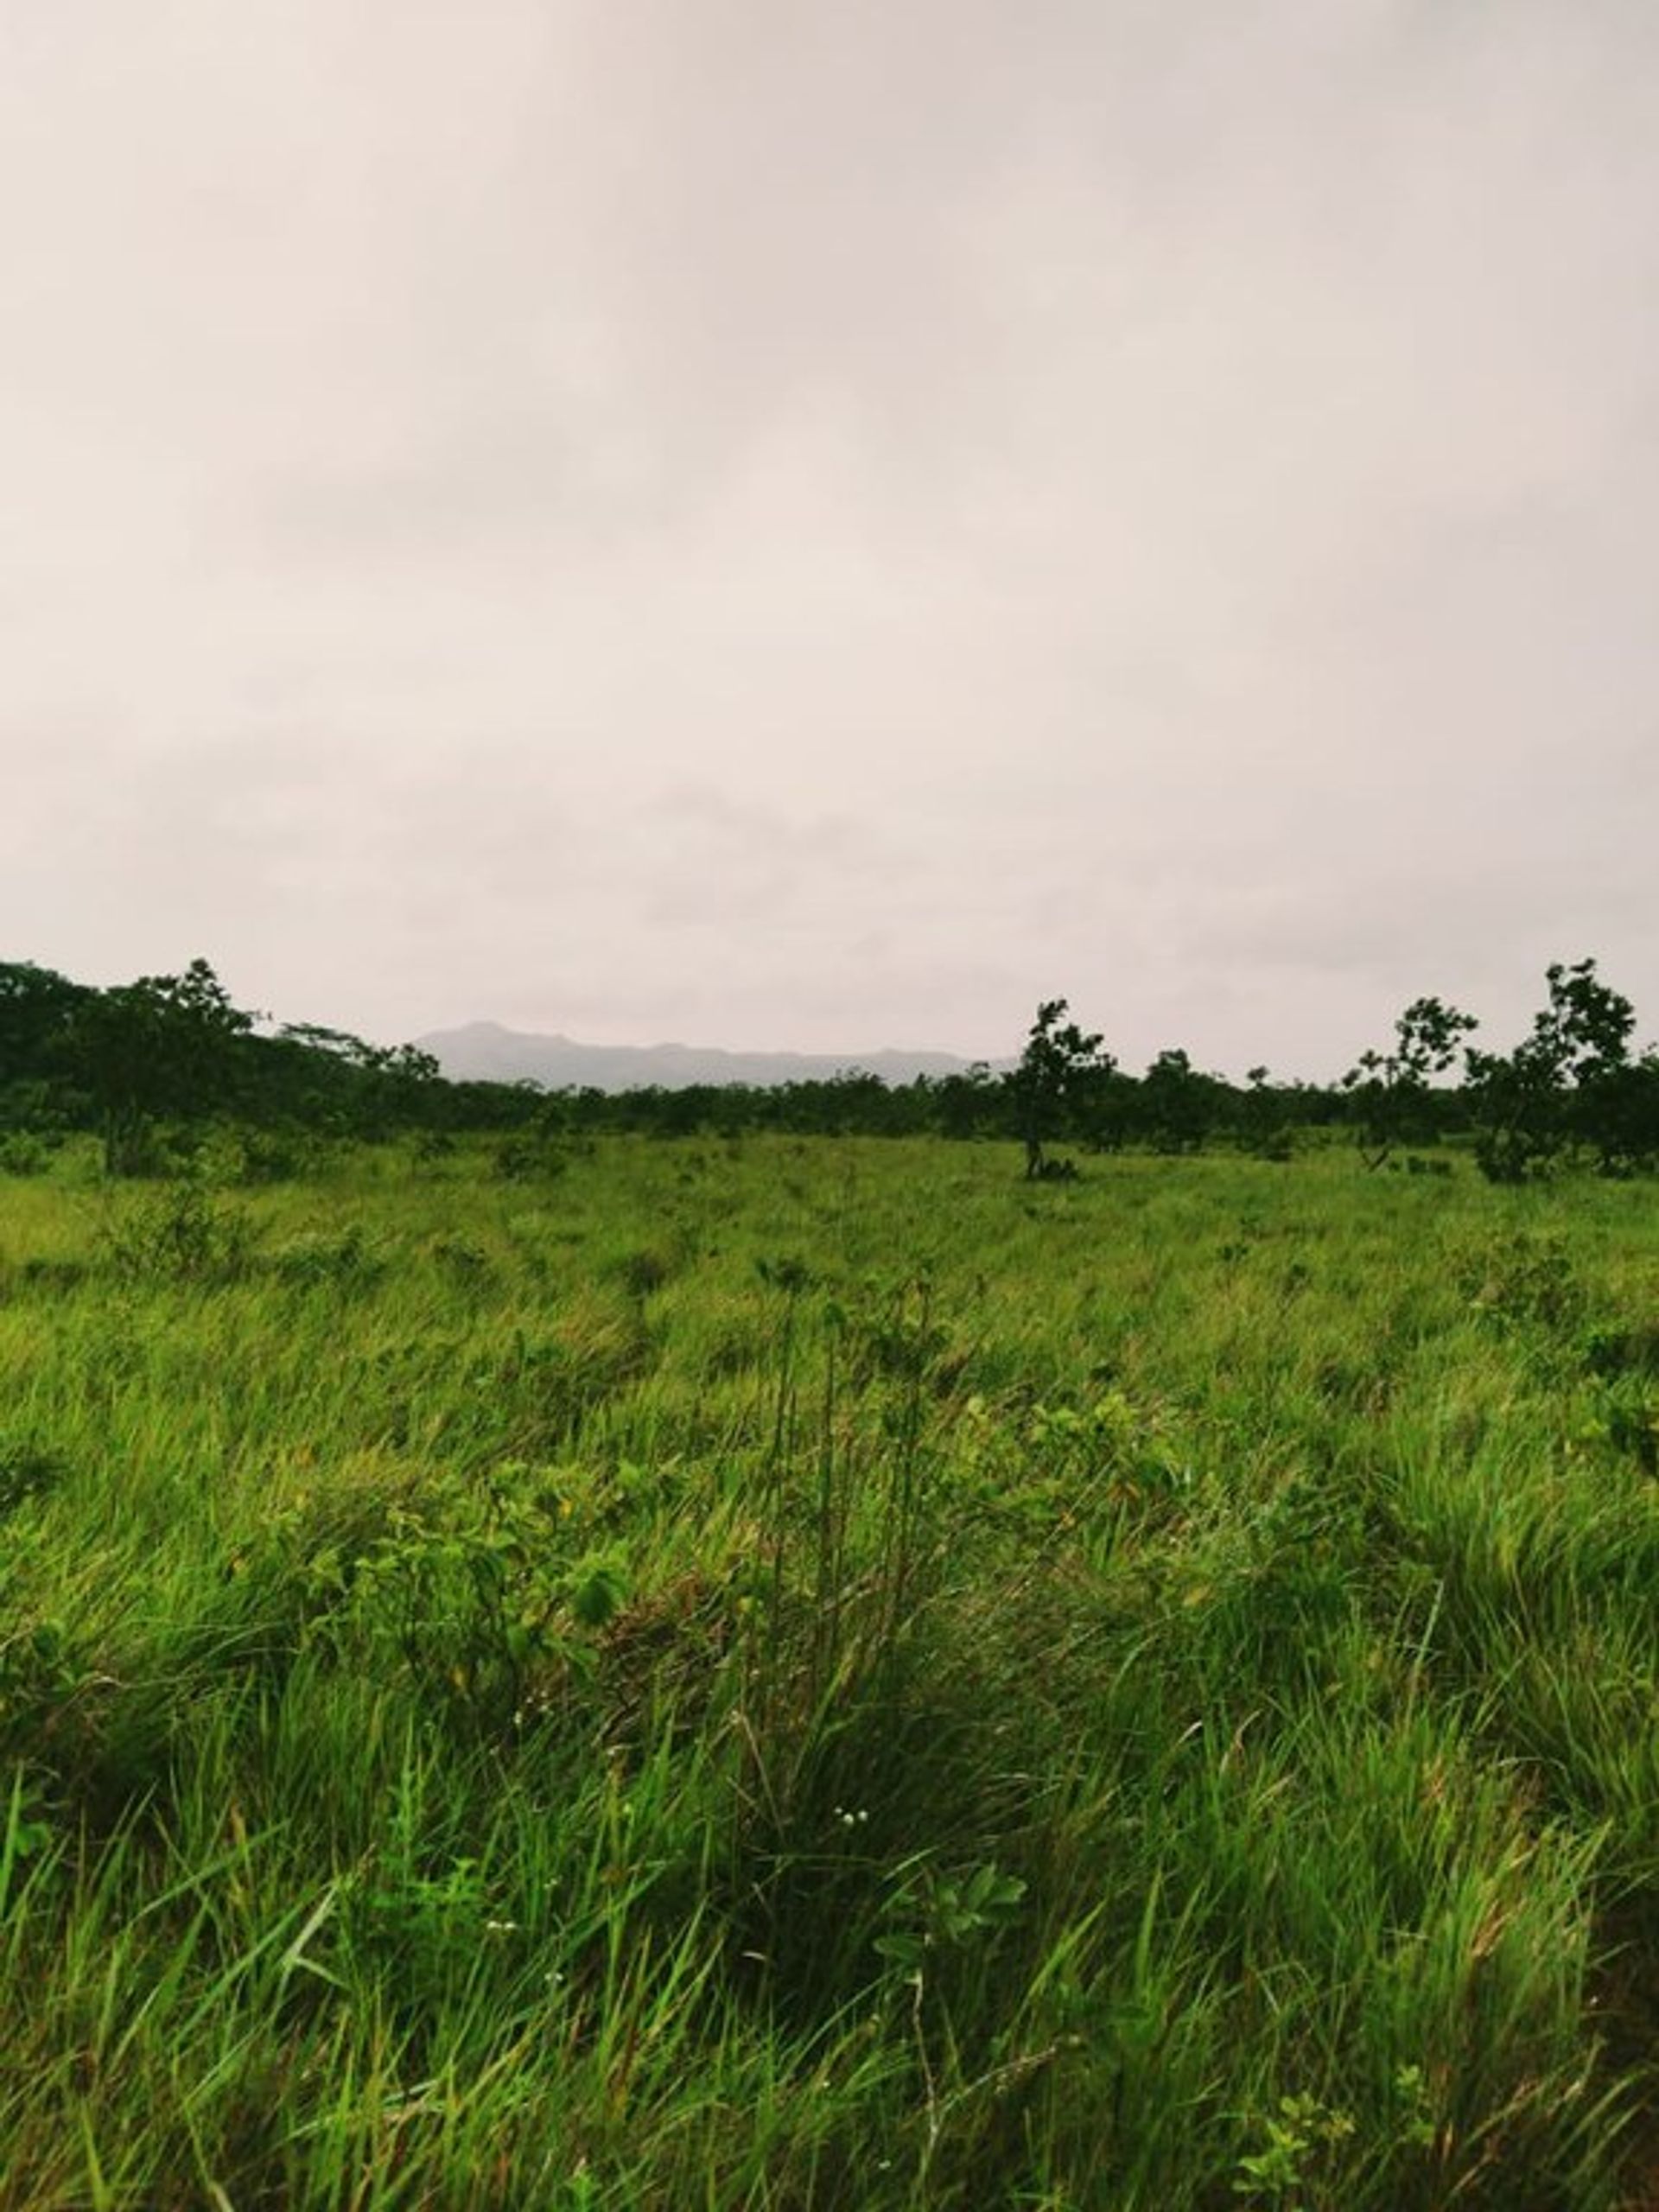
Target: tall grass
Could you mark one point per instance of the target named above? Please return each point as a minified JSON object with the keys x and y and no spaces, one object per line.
{"x":815,"y":1673}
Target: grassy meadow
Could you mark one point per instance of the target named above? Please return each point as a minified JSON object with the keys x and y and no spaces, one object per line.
{"x":814,"y":1674}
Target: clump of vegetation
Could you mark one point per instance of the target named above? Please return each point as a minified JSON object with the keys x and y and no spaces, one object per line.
{"x":186,"y":1233}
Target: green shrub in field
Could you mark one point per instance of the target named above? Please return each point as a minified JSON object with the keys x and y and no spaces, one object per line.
{"x":1613,"y":1349}
{"x":22,"y":1153}
{"x":479,"y":1596}
{"x":1523,"y":1277}
{"x":39,"y":1675}
{"x":28,"y":1469}
{"x":184,"y":1233}
{"x":340,"y":1258}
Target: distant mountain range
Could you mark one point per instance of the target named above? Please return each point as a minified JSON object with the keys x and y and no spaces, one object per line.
{"x":486,"y":1051}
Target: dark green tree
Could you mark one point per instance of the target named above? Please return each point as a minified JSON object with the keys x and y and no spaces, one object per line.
{"x":1262,"y":1118}
{"x":36,"y":1008}
{"x":966,"y":1105}
{"x":1392,"y":1092}
{"x":1566,"y":1082}
{"x":166,"y":1048}
{"x":1179,"y":1104}
{"x":1054,"y":1071}
{"x":36,"y":1005}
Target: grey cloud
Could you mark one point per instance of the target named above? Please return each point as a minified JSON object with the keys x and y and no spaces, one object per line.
{"x":815,"y":526}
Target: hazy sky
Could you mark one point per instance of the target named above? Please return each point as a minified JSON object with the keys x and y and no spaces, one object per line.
{"x":774,"y":524}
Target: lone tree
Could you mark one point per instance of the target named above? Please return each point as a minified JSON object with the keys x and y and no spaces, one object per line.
{"x":1390,"y":1090}
{"x":1059,"y":1060}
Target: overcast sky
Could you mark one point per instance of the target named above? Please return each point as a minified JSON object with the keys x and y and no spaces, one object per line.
{"x":817,"y":523}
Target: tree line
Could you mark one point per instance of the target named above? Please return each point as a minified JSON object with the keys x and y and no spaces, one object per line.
{"x":1572,"y":1090}
{"x":150,"y":1067}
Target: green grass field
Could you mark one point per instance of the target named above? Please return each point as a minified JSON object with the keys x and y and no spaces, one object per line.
{"x":793,"y":1675}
